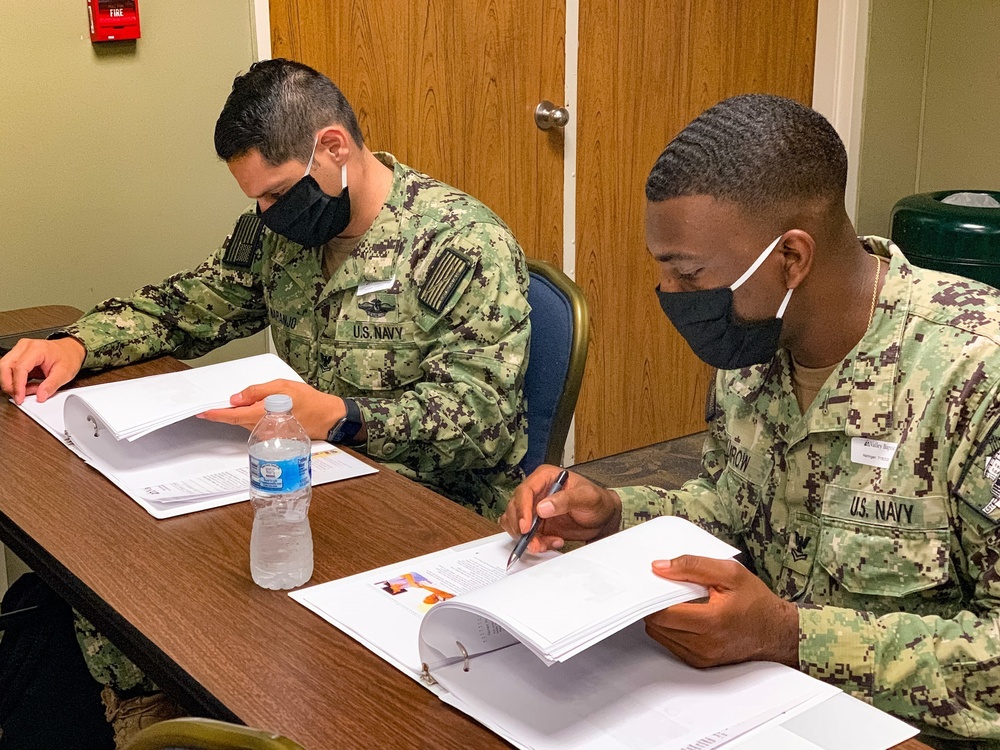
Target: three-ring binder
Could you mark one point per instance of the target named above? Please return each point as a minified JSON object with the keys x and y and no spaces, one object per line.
{"x":425,"y":671}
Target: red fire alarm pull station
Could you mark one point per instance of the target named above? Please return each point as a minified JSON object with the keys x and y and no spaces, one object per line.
{"x":113,"y":20}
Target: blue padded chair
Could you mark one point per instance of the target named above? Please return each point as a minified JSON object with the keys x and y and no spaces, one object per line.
{"x":556,"y":358}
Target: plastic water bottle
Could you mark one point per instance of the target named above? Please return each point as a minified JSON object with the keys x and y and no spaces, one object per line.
{"x":281,"y":546}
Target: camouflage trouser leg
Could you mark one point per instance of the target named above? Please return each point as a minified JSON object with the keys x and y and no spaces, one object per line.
{"x":107,"y":663}
{"x":132,"y":701}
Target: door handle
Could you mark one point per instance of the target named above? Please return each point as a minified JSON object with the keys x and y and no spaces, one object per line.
{"x":548,"y":115}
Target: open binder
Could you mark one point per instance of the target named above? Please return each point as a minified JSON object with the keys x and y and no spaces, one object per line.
{"x":554,"y":656}
{"x":142,"y":435}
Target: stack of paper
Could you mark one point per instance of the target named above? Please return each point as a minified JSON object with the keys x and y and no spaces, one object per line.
{"x":142,"y":435}
{"x":573,"y":601}
{"x":131,"y":409}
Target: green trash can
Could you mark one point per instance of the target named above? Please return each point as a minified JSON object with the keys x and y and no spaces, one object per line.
{"x":963,"y":240}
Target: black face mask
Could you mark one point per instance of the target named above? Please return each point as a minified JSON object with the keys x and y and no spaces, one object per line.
{"x":307,"y":215}
{"x":706,"y":321}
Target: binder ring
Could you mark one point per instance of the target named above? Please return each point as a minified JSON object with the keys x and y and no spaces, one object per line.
{"x":465,"y":656}
{"x":97,"y":430}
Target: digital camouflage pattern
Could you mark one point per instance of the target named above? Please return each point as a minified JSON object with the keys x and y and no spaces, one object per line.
{"x":107,"y":663}
{"x":896,"y":570}
{"x":439,"y":381}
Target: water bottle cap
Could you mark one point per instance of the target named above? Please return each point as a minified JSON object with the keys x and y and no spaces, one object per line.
{"x":279,"y":402}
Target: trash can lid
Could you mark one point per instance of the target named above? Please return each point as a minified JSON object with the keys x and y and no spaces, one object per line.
{"x":924,"y":226}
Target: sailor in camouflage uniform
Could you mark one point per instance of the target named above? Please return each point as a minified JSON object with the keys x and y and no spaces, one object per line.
{"x":424,"y":326}
{"x":399,"y":300}
{"x":864,"y":489}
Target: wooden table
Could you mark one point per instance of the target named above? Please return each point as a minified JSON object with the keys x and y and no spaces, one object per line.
{"x":177,"y":596}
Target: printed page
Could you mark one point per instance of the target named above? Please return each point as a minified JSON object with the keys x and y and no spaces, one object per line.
{"x":623,"y":693}
{"x":383,"y":608}
{"x":329,"y":464}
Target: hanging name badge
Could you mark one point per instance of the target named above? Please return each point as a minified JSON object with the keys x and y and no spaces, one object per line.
{"x":872,"y":452}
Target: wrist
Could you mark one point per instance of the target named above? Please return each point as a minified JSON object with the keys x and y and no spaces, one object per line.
{"x":614,"y":523}
{"x":71,"y":345}
{"x":787,"y":647}
{"x":345,"y":430}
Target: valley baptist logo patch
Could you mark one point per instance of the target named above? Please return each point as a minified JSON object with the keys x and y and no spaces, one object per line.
{"x":376,"y":308}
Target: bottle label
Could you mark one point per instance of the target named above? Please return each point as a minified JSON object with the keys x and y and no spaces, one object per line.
{"x":279,"y":477}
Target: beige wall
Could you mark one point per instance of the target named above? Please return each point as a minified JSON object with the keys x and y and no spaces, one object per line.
{"x":931,"y":103}
{"x":110,"y":179}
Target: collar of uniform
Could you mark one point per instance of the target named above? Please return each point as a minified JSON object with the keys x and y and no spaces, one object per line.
{"x":876,"y":357}
{"x":858,"y":397}
{"x":374,"y":259}
{"x":767,"y":392}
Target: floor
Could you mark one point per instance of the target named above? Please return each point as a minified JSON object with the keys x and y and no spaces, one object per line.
{"x":668,"y":464}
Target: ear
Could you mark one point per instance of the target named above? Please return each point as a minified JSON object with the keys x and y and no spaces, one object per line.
{"x":797,"y":249}
{"x":334,"y":140}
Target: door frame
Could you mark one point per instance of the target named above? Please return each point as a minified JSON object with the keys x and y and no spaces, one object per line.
{"x":839,"y":78}
{"x":260,"y":23}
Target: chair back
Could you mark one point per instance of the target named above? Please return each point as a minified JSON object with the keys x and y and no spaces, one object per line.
{"x":207,"y":734}
{"x":556,"y":359}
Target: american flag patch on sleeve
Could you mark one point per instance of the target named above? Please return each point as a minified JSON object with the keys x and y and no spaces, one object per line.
{"x":448,"y":270}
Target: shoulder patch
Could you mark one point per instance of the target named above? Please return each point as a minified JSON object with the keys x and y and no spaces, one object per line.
{"x":982,"y":473}
{"x":244,"y":243}
{"x":712,"y":409}
{"x":448,"y":270}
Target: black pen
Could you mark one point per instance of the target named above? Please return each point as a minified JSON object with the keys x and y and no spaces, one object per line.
{"x":522,"y":543}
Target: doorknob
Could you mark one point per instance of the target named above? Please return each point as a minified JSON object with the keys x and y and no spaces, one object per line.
{"x":548,"y":115}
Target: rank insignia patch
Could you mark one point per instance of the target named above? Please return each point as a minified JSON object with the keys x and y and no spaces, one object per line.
{"x":444,"y":277}
{"x":799,"y":546}
{"x":244,"y":243}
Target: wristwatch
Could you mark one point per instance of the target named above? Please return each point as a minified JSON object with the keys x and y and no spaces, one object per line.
{"x":348,"y":425}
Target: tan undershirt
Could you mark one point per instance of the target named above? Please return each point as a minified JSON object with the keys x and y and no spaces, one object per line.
{"x":806,"y":382}
{"x":336,"y":251}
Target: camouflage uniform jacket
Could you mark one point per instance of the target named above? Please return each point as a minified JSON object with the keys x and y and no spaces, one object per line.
{"x":425,"y":325}
{"x":877,"y":510}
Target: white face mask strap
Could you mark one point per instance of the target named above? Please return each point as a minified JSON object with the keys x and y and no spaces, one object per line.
{"x":756,"y":264}
{"x":784,"y":304}
{"x":312,"y":156}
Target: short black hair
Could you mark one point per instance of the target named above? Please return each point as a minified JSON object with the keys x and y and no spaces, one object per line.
{"x":277,"y":107}
{"x":755,"y":150}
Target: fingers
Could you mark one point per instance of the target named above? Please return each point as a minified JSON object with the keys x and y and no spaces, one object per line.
{"x":679,"y":644}
{"x":244,"y":416}
{"x":259,"y":392}
{"x":56,"y":361}
{"x":516,"y":520}
{"x":684,"y":618}
{"x":703,"y":570}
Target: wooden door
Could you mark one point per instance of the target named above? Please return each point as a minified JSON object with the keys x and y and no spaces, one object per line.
{"x":646,"y":69}
{"x":450,"y":87}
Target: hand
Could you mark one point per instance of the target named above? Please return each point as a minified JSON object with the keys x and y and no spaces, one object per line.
{"x":581,"y":511}
{"x":54,"y":363}
{"x":743,"y":620}
{"x":316,"y":411}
